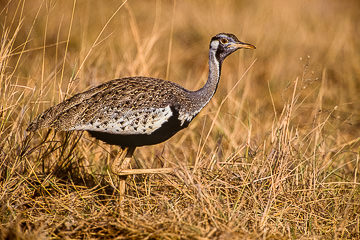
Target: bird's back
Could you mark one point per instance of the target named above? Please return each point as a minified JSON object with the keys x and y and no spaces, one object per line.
{"x":123,"y":106}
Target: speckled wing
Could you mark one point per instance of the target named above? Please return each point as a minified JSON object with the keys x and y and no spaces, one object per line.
{"x":136,"y":105}
{"x":128,"y":122}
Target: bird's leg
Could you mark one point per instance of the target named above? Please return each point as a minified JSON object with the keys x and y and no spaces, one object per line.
{"x":122,"y":163}
{"x":118,"y":161}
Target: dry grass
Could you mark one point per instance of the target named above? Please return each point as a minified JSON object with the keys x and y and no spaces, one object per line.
{"x":276,"y":157}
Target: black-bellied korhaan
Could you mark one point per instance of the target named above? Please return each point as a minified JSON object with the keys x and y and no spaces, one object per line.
{"x":137,"y":111}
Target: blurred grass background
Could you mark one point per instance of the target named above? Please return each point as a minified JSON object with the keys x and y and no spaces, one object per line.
{"x":282,"y":155}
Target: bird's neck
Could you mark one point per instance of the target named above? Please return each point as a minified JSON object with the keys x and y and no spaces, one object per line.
{"x":204,"y":94}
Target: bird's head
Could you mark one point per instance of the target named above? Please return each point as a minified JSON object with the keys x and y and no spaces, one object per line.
{"x":223,"y":44}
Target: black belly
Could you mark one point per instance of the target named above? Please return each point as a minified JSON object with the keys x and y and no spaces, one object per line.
{"x":166,"y":131}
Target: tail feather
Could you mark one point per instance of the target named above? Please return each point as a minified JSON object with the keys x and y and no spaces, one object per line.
{"x":32,"y":127}
{"x":39,"y":122}
{"x":45,"y":119}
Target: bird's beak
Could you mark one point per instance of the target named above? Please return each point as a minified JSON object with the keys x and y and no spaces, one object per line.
{"x":242,"y":45}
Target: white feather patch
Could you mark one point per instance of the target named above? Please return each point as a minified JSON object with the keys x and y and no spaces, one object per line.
{"x":186,"y":117}
{"x":214,"y":44}
{"x":144,"y":121}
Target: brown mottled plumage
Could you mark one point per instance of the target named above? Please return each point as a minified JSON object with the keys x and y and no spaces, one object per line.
{"x":112,"y":99}
{"x":137,"y":111}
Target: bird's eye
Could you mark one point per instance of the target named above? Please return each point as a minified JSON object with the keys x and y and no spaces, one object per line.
{"x":224,"y":41}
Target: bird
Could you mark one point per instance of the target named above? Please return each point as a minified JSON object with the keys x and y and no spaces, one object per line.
{"x":136,"y":111}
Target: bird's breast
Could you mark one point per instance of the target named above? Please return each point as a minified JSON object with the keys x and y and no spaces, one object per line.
{"x":186,"y":117}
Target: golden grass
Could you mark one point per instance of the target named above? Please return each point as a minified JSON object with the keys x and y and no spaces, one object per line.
{"x":274,"y":155}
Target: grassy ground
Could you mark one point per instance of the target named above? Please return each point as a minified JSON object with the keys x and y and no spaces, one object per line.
{"x":274,"y":155}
